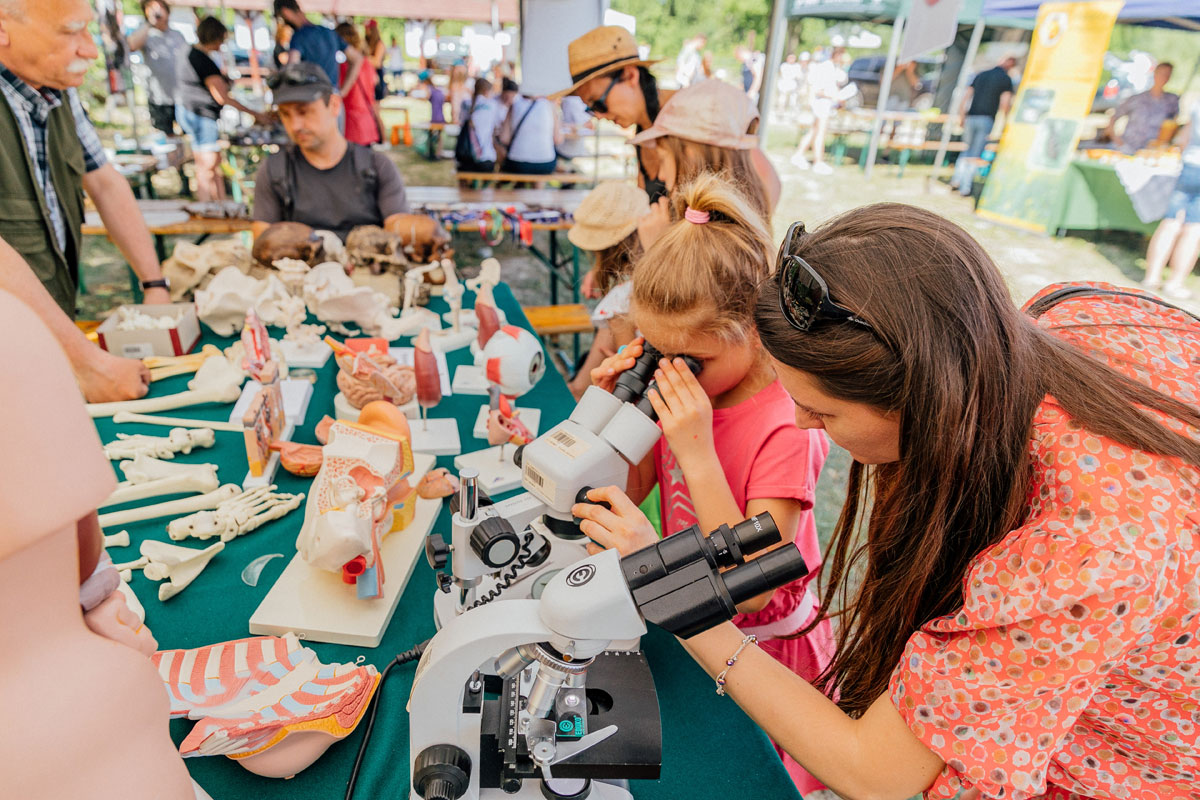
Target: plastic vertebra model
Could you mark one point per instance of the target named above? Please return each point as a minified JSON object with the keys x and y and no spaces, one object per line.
{"x":364,"y":474}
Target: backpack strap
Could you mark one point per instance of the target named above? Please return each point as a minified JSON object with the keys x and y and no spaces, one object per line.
{"x":1074,"y":292}
{"x":363,"y":161}
{"x":513,"y":139}
{"x":281,"y":173}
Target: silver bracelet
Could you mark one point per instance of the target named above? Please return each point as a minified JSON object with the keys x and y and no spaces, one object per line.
{"x":729,"y":662}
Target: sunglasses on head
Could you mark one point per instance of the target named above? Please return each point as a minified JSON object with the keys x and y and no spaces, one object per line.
{"x":803,"y":294}
{"x":277,"y":79}
{"x":600,"y":104}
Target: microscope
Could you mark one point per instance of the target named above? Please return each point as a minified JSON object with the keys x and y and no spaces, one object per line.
{"x":511,"y":549}
{"x":541,"y":698}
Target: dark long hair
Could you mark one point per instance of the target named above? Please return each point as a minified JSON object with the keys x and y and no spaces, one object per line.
{"x":649,"y":87}
{"x":965,"y":372}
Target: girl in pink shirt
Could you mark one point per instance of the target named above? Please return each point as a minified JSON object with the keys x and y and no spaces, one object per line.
{"x":730,"y":445}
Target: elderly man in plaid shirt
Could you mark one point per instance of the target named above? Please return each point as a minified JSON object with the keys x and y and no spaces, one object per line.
{"x":49,"y":156}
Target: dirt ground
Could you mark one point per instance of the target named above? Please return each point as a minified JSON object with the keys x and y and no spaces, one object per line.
{"x":1028,"y":261}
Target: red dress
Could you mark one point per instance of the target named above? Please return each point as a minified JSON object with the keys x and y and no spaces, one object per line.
{"x":1073,"y":668}
{"x":360,"y":119}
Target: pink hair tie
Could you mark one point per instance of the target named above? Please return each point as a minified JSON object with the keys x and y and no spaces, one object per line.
{"x":695,"y":217}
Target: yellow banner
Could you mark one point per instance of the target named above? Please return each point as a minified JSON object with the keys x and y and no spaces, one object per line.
{"x":1025,"y":185}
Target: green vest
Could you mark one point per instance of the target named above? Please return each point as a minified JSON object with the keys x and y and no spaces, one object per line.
{"x":24,"y":221}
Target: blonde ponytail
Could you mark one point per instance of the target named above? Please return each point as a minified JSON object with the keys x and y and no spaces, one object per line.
{"x":708,"y":271}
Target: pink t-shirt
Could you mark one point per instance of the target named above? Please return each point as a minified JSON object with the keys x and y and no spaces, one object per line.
{"x":764,"y":455}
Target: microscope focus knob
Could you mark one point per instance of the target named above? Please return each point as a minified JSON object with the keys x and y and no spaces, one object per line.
{"x":436,"y":550}
{"x":495,"y":542}
{"x":444,"y":582}
{"x":442,"y":772}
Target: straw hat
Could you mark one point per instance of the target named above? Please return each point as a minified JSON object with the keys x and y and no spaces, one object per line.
{"x":709,"y":112}
{"x":608,"y":214}
{"x":598,"y":52}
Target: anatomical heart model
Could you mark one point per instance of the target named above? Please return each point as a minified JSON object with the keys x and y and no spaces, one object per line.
{"x":360,"y":495}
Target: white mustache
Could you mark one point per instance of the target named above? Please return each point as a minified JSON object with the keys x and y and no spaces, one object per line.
{"x":79,"y":65}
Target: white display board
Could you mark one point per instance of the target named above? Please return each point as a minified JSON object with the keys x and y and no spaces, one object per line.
{"x":546,"y":28}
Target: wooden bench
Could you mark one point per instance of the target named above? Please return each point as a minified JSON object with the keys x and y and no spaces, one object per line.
{"x":510,"y":177}
{"x":550,"y":322}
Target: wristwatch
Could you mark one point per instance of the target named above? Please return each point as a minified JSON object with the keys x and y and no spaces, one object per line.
{"x":157,"y":283}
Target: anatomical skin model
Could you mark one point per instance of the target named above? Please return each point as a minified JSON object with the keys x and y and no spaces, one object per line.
{"x":70,"y":697}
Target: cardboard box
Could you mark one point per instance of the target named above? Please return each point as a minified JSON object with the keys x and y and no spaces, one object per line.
{"x":177,"y":341}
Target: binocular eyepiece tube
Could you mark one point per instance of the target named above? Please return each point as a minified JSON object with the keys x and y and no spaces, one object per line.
{"x":633,"y":384}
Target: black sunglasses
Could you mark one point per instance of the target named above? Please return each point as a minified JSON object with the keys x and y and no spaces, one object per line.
{"x":600,"y":104}
{"x":803,"y":294}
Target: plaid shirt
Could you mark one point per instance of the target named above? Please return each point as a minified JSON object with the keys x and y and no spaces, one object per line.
{"x":32,"y":109}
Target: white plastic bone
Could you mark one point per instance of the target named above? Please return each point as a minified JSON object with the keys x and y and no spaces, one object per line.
{"x":129,"y":566}
{"x":236,"y":516}
{"x":170,"y":508}
{"x":126,"y":576}
{"x":179,"y":440}
{"x":118,"y":539}
{"x":222,"y":305}
{"x":131,"y":600}
{"x":145,"y":468}
{"x":145,"y":419}
{"x":292,"y":272}
{"x":483,"y":283}
{"x":334,"y":299}
{"x":178,"y":484}
{"x":132,"y":319}
{"x":177,"y":565}
{"x":215,"y":382}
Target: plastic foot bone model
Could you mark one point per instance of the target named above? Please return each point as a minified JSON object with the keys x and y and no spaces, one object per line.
{"x":180,"y":440}
{"x":236,"y":516}
{"x":543,"y":737}
{"x":266,"y":702}
{"x":353,"y":502}
{"x":511,"y":548}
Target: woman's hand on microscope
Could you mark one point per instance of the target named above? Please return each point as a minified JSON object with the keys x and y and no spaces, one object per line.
{"x":605,"y":376}
{"x":621,"y":525}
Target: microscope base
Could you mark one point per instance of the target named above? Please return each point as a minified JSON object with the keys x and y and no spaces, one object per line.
{"x":318,"y":606}
{"x":530,"y":417}
{"x":497,"y":474}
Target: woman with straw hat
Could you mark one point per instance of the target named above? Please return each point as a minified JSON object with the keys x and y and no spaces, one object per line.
{"x":606,"y":223}
{"x":609,"y":74}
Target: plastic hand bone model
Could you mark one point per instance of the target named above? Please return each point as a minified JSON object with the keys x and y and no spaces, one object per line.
{"x":595,"y":446}
{"x":266,"y":702}
{"x":543,"y":737}
{"x":353,"y":502}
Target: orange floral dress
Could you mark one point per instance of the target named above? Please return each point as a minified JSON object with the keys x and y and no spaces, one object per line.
{"x":1073,"y":668}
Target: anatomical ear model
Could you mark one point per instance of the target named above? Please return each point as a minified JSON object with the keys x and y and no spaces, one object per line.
{"x":215,"y":382}
{"x":266,"y":702}
{"x":180,"y":440}
{"x":236,"y":516}
{"x":352,"y":504}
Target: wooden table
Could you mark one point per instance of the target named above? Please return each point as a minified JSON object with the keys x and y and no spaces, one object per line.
{"x":167,"y":218}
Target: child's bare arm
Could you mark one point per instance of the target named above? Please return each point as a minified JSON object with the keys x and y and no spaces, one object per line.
{"x":641,"y":480}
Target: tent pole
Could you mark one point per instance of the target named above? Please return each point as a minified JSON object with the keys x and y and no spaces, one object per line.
{"x":885,"y":89}
{"x":960,"y":86}
{"x":776,"y":34}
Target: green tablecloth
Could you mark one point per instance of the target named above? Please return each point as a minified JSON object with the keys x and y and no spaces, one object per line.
{"x":710,"y":748}
{"x":1093,"y":199}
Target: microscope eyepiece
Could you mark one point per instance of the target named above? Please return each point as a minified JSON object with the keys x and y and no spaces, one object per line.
{"x":632,"y":383}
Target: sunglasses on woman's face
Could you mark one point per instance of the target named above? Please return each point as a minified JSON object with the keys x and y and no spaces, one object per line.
{"x":803,"y":294}
{"x":600,"y":104}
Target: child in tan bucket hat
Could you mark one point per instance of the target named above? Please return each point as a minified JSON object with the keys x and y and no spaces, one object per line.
{"x":606,"y":223}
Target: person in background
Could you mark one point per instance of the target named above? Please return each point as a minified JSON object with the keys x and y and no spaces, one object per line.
{"x":320,"y":179}
{"x":160,"y":45}
{"x":822,"y":89}
{"x":989,"y":94}
{"x":1177,"y":238}
{"x":363,"y":125}
{"x":752,"y":68}
{"x":203,"y":90}
{"x":606,"y":224}
{"x":376,"y":56}
{"x":437,"y":107}
{"x":320,"y":45}
{"x":789,"y":70}
{"x":576,"y":124}
{"x":480,"y":117}
{"x":49,"y":156}
{"x":530,"y":136}
{"x":283,"y":38}
{"x":687,"y":64}
{"x":395,"y":62}
{"x":457,"y":92}
{"x":1146,"y":113}
{"x":906,"y":85}
{"x":609,"y":74}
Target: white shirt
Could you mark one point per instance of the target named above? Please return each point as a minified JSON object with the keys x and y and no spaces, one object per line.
{"x":484,"y":121}
{"x":534,"y":142}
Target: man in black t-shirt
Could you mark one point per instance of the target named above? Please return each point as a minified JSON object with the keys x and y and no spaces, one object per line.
{"x":321,"y":179}
{"x":991,"y":92}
